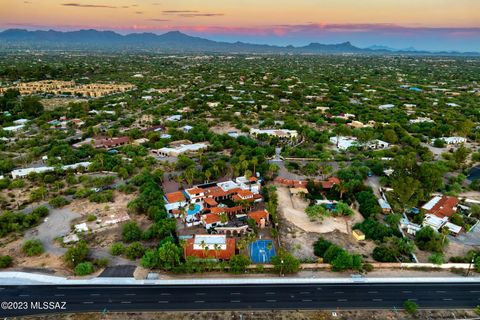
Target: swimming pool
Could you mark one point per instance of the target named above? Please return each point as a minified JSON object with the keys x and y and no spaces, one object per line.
{"x":474,"y":173}
{"x":196,"y":209}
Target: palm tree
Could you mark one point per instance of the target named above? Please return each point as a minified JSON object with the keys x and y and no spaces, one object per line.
{"x":270,"y":246}
{"x":223,"y":218}
{"x":217,"y":248}
{"x":208,"y":174}
{"x":183,"y":244}
{"x":341,"y":188}
{"x":254,"y":163}
{"x":183,"y":215}
{"x":445,"y":232}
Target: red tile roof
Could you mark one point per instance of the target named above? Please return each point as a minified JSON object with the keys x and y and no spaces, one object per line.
{"x":245,"y":194}
{"x":258,"y":215}
{"x":195,"y":190}
{"x":211,"y":218}
{"x":212,"y":254}
{"x":445,"y":207}
{"x":110,"y":142}
{"x":176,"y":196}
{"x":291,"y":183}
{"x":211,"y":202}
{"x":330,"y":182}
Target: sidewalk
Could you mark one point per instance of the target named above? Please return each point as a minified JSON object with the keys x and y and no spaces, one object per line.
{"x":23,"y":278}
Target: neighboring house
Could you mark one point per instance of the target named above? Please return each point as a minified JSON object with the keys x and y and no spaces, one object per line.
{"x":261,"y":217}
{"x":175,"y":117}
{"x":282,"y":134}
{"x":186,"y":128}
{"x":453,"y":140}
{"x":22,"y":173}
{"x":441,"y":206}
{"x":217,"y":247}
{"x":109,"y":143}
{"x":343,"y":143}
{"x":386,"y":106}
{"x":330,"y":182}
{"x":14,"y":128}
{"x":180,"y":149}
{"x":386,"y":208}
{"x":437,"y":223}
{"x":358,"y":235}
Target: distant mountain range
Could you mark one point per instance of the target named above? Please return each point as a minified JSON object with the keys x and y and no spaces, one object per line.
{"x":175,"y":41}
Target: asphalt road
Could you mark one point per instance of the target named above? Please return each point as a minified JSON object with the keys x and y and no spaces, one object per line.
{"x":236,"y":297}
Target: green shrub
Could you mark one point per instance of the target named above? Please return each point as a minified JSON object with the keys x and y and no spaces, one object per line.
{"x":76,"y":254}
{"x":5,"y":261}
{"x":135,"y":251}
{"x":84,"y":268}
{"x":410,"y":307}
{"x":117,"y":249}
{"x":131,"y":232}
{"x":436,"y":258}
{"x":101,"y":263}
{"x":32,"y":248}
{"x":239,"y":263}
{"x":58,"y":202}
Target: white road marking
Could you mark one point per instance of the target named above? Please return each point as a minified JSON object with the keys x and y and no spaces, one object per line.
{"x":342,"y":300}
{"x":441,"y":291}
{"x":162,"y":301}
{"x":447,"y":299}
{"x":235,"y":293}
{"x":165,"y":294}
{"x":271,"y":300}
{"x":475,"y":291}
{"x":377,"y":299}
{"x":338,"y":292}
{"x":94,"y":294}
{"x":235,"y":301}
{"x":130,"y":294}
{"x":126,"y":302}
{"x":199,"y":301}
{"x":87,"y":302}
{"x":24,"y":295}
{"x":59,"y":295}
{"x":269,"y":292}
{"x":304,"y":292}
{"x":307,"y":300}
{"x":406,"y":291}
{"x":372,"y":292}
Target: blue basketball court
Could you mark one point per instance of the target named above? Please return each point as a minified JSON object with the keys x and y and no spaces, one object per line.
{"x":259,"y":252}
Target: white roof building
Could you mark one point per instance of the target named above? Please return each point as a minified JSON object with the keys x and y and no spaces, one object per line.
{"x":175,"y":117}
{"x":14,"y":128}
{"x":420,"y":120}
{"x":434,"y":221}
{"x":210,"y":241}
{"x":181,"y":149}
{"x":280,"y":133}
{"x":343,"y":143}
{"x":386,"y":106}
{"x":454,"y":140}
{"x":21,"y":173}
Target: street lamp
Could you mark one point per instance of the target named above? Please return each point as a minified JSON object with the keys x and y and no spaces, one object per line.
{"x":471,"y":263}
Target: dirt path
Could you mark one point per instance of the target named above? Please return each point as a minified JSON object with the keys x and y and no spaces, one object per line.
{"x":57,"y":224}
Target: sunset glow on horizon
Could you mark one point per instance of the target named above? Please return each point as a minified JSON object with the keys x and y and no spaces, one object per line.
{"x":425,"y":24}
